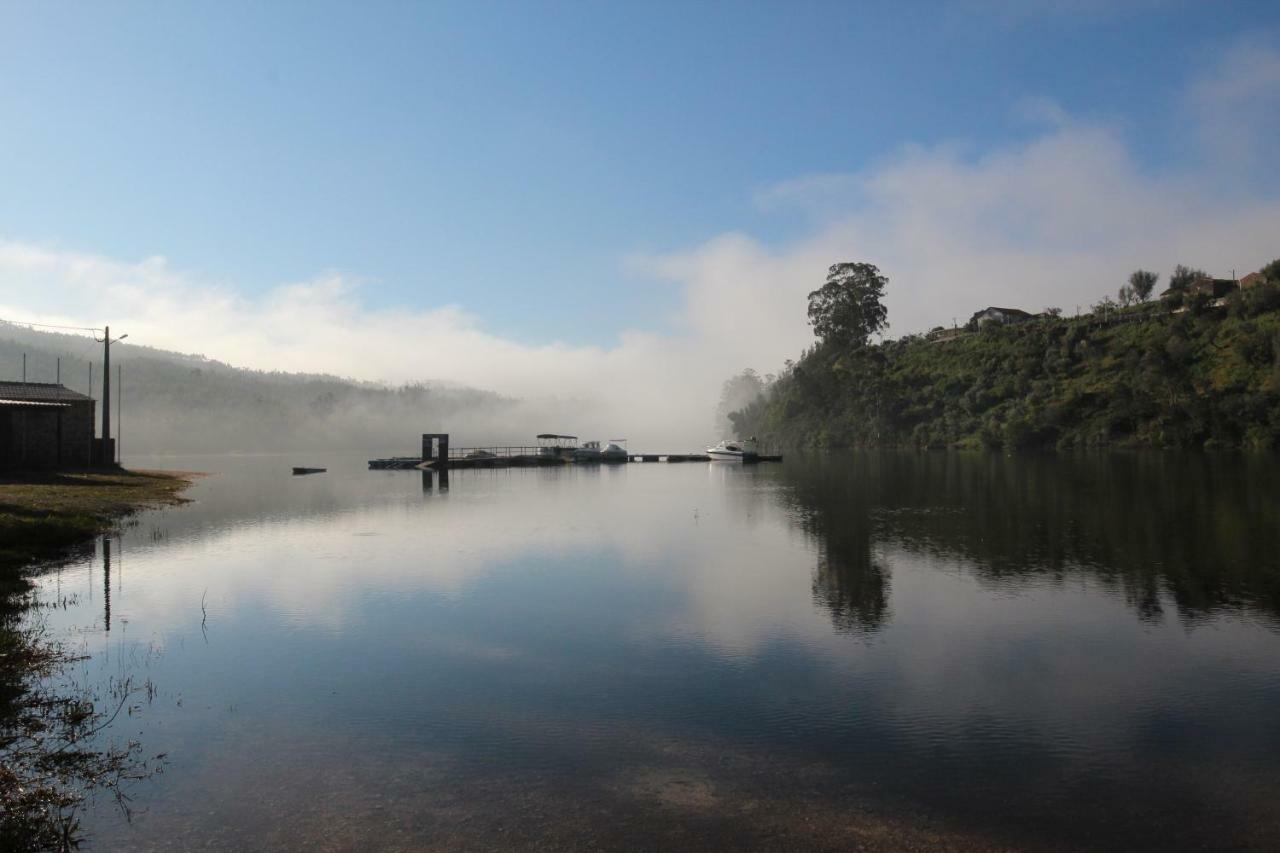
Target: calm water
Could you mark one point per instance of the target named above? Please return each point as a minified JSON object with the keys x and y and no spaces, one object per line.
{"x":887,"y":650}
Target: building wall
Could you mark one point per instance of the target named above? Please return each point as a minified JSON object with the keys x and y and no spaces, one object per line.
{"x":29,"y":437}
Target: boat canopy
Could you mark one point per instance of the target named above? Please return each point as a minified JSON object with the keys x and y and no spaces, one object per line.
{"x":551,"y":442}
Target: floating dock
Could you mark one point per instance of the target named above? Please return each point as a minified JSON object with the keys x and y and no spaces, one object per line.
{"x":438,"y":456}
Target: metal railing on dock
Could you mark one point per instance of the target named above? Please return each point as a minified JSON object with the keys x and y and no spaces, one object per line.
{"x":500,"y":452}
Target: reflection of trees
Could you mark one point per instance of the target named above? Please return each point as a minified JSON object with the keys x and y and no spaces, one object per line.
{"x":856,"y":593}
{"x":847,"y":581}
{"x":1197,"y":529}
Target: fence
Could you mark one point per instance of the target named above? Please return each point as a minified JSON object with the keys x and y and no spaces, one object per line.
{"x":495,"y":451}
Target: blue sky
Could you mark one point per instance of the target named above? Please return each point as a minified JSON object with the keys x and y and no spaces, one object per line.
{"x":511,"y":158}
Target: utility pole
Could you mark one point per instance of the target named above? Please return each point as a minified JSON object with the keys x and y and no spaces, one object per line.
{"x":58,"y":393}
{"x":106,"y":384}
{"x":106,"y":388}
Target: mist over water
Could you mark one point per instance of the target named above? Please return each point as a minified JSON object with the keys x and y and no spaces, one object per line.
{"x":903,"y":650}
{"x":169,"y":402}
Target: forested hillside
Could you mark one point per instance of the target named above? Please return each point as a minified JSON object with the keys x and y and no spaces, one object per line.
{"x":185,"y":403}
{"x":1147,"y":375}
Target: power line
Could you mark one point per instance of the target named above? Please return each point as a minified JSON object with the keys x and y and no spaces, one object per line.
{"x":50,"y":325}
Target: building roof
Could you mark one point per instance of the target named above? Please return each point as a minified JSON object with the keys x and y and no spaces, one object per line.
{"x":38,"y":392}
{"x":1014,"y":311}
{"x":32,"y":404}
{"x":1004,"y":315}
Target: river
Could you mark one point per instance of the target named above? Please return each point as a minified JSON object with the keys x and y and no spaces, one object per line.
{"x":958,"y":651}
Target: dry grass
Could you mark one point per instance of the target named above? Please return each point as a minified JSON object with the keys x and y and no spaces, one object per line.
{"x":42,"y":512}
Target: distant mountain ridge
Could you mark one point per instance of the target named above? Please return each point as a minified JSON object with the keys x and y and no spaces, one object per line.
{"x":178,"y":402}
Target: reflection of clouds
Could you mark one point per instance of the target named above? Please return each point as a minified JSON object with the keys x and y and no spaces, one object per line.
{"x":1071,"y":669}
{"x":563,"y":617}
{"x":734,"y":565}
{"x":744,"y":572}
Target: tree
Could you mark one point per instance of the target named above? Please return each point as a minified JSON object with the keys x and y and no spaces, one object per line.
{"x":1271,"y":272}
{"x":1126,"y":295}
{"x":1183,"y":276}
{"x":737,"y":393}
{"x":847,"y":309}
{"x":1142,"y":283}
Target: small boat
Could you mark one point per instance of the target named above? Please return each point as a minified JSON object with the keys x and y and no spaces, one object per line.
{"x":557,"y":446}
{"x":727,"y":451}
{"x":297,"y":470}
{"x":588,"y":452}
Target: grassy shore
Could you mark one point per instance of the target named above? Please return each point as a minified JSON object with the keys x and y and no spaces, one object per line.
{"x":45,"y":769}
{"x":43,"y":513}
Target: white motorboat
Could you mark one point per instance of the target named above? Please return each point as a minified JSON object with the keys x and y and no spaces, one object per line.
{"x":727,"y":451}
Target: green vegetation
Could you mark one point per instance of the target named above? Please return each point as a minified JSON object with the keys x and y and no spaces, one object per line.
{"x":1141,"y":283}
{"x":48,"y":761}
{"x":847,"y":309}
{"x":1138,"y":376}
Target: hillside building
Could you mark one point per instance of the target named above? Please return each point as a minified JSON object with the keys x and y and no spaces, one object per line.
{"x":1251,"y":281}
{"x":998,"y":316}
{"x":1214,"y":288}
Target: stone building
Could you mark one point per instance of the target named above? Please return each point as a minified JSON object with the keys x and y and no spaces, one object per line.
{"x":44,"y":426}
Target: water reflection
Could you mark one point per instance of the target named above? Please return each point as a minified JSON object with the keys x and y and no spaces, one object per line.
{"x":106,"y":583}
{"x":871,"y":650}
{"x":849,"y":580}
{"x":433,"y":480}
{"x":1198,"y":530}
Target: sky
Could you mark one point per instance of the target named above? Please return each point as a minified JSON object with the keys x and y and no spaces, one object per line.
{"x":622,"y":203}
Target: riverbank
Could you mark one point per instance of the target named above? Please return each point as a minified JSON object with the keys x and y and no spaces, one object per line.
{"x":42,"y":778}
{"x":1143,"y":377}
{"x":43,"y":513}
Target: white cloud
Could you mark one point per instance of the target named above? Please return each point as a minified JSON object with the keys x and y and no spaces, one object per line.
{"x":1060,"y":219}
{"x":647,"y":380}
{"x":1236,"y":108}
{"x":808,"y":191}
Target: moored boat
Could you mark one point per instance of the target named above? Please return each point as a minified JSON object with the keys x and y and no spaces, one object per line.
{"x":727,"y":451}
{"x":588,"y":452}
{"x":556,"y":446}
